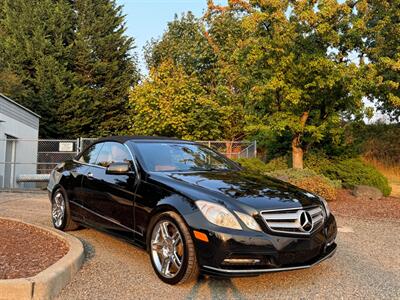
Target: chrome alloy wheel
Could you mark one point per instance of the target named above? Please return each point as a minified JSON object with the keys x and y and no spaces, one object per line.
{"x":58,"y":209}
{"x":167,"y":248}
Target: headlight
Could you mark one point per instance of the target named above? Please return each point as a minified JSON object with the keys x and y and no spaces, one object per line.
{"x":326,"y":206}
{"x":248,"y":221}
{"x":218,"y":215}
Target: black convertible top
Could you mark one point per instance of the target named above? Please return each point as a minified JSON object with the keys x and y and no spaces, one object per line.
{"x":124,"y":138}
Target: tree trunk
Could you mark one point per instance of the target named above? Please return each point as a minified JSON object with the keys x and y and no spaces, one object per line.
{"x":228,"y":145}
{"x":297,"y":150}
{"x":297,"y":153}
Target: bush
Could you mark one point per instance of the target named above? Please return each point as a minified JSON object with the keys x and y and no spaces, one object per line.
{"x":279,"y":163}
{"x":310,"y":181}
{"x":352,"y":172}
{"x":257,"y":165}
{"x":253,"y":164}
{"x":317,"y":161}
{"x":349,"y":171}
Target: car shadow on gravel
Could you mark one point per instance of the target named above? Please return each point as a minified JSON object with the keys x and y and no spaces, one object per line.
{"x":220,"y":288}
{"x":88,"y":248}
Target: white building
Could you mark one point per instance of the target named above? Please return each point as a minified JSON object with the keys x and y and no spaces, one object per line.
{"x":19,"y":131}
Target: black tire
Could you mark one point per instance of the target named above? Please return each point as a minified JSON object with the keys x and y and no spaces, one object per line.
{"x":67,"y":224}
{"x":189,"y":270}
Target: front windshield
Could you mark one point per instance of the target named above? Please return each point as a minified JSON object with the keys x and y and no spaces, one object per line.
{"x":167,"y":157}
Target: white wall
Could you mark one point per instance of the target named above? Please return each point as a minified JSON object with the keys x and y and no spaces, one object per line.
{"x":26,"y":151}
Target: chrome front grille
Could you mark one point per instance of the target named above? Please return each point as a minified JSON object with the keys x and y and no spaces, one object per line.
{"x":302,"y":221}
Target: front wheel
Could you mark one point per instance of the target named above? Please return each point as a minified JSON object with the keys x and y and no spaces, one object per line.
{"x":171,"y":249}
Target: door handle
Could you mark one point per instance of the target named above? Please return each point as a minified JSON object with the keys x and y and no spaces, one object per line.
{"x":90,"y":175}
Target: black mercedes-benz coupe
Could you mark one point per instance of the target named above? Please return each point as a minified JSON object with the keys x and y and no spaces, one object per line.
{"x":191,"y":208}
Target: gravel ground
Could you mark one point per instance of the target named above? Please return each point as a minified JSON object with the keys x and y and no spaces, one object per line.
{"x":366,"y":265}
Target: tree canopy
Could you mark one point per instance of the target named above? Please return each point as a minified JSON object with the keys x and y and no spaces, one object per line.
{"x":69,"y":61}
{"x":173,"y":103}
{"x":276,"y":70}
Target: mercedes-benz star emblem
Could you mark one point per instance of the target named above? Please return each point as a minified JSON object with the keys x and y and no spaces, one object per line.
{"x":306,"y":222}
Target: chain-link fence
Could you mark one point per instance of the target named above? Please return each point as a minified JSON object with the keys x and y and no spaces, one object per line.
{"x":22,"y":161}
{"x":27,"y":163}
{"x":233,"y":149}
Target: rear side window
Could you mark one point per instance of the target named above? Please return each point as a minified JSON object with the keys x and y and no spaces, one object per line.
{"x":113,"y":152}
{"x":91,"y":154}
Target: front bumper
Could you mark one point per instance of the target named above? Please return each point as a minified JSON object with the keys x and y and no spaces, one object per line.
{"x":270,"y":252}
{"x":246,"y":272}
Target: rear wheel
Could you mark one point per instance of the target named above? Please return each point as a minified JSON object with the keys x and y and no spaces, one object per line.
{"x":60,"y":212}
{"x":171,"y":249}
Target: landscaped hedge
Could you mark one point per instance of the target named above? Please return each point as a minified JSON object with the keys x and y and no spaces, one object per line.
{"x":349,"y":171}
{"x":352,"y":172}
{"x":259,"y":166}
{"x":310,"y":181}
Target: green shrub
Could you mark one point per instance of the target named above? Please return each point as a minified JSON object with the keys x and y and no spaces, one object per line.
{"x":310,"y":181}
{"x":317,"y":161}
{"x":257,"y":165}
{"x":253,"y":164}
{"x":349,"y":171}
{"x":279,"y":163}
{"x":352,"y":172}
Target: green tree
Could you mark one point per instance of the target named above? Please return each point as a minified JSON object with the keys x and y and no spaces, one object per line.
{"x":185,"y":44}
{"x":172,"y":103}
{"x":205,"y":48}
{"x":298,"y":80}
{"x":34,"y":55}
{"x":104,"y":70}
{"x":376,"y":34}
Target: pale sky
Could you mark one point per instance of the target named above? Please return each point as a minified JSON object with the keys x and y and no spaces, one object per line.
{"x":148,"y":19}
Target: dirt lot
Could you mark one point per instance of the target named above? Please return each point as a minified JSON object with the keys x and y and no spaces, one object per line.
{"x":366,"y":265}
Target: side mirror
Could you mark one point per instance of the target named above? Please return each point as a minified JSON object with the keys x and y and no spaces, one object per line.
{"x":118,"y":168}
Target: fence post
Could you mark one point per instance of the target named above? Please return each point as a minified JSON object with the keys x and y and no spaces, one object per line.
{"x":255,"y":148}
{"x":78,"y":145}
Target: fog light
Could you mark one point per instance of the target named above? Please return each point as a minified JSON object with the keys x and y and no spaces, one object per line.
{"x":241,"y":261}
{"x":330,"y":243}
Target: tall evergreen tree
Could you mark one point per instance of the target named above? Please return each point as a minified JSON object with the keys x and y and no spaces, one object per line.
{"x":104,"y":70}
{"x":34,"y":57}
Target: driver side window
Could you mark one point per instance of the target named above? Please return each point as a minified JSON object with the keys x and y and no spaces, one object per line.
{"x":113,"y":152}
{"x":91,"y":154}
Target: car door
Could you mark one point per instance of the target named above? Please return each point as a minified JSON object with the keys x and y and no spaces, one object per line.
{"x":79,"y":169}
{"x":110,"y":197}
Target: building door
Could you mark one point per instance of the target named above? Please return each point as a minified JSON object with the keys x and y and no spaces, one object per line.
{"x":9,"y":168}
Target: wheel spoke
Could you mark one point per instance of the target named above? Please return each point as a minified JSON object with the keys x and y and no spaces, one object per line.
{"x":177,"y":240}
{"x":164,"y":230}
{"x":165,"y":266}
{"x":58,"y":209}
{"x":176,"y":260}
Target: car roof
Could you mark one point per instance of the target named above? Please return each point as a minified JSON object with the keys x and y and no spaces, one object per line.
{"x":125,"y":138}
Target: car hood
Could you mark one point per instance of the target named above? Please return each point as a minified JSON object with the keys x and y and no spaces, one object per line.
{"x":242,"y":187}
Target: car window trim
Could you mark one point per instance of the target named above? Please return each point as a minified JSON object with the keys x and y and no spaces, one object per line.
{"x":86,"y":149}
{"x":98,"y":166}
